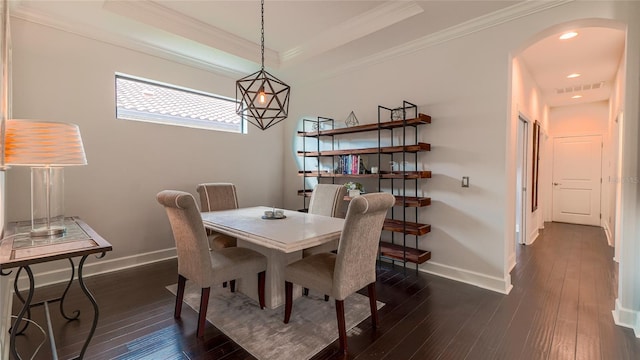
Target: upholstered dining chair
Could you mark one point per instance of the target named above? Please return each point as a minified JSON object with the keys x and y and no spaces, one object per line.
{"x":200,"y":265}
{"x":214,"y":197}
{"x":327,"y":200}
{"x":352,"y":268}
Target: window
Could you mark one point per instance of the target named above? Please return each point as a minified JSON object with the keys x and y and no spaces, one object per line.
{"x":145,"y":100}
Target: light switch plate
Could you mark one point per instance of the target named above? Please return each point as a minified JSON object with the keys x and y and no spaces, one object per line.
{"x":465,"y":181}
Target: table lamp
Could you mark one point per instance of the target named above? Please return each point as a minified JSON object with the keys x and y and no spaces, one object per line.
{"x":46,"y":147}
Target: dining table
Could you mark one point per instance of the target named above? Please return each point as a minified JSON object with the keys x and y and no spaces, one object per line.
{"x":281,"y":239}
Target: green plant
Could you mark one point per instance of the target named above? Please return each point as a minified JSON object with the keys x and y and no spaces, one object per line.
{"x":354,"y":186}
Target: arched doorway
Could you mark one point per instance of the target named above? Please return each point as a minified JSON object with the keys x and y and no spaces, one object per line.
{"x":562,"y":83}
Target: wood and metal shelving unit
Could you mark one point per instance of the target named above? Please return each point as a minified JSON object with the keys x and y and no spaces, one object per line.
{"x":398,"y":128}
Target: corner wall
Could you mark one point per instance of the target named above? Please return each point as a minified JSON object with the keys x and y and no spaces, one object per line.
{"x":527,"y":100}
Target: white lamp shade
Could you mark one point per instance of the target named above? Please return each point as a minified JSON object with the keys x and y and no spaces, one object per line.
{"x":43,"y":143}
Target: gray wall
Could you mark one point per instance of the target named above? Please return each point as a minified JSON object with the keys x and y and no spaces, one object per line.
{"x":59,"y":76}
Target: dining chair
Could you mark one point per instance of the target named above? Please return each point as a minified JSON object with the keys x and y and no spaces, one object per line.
{"x":327,"y":200}
{"x":215,"y":197}
{"x":200,"y":265}
{"x":352,"y":268}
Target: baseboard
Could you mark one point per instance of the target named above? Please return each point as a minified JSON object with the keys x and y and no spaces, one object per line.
{"x":607,"y":233}
{"x":484,"y":281}
{"x":512,"y":261}
{"x":610,"y":239}
{"x":102,"y":266}
{"x":627,"y":318}
{"x":533,"y":236}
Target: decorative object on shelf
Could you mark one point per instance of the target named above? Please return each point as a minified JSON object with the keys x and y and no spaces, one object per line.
{"x":394,"y":166}
{"x":362,"y":169}
{"x":352,"y":120}
{"x":263,"y":99}
{"x":315,"y":125}
{"x":397,"y":114}
{"x":354,"y":188}
{"x":352,"y":165}
{"x":46,"y":147}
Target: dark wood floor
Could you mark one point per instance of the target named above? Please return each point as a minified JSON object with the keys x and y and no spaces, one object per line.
{"x":560,"y":308}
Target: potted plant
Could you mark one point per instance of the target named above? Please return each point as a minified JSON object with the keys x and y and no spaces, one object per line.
{"x":354,"y":188}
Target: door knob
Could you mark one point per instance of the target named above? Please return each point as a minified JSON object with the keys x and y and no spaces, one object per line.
{"x":556,"y":184}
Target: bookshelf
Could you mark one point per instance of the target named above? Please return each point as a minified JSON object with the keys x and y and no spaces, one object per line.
{"x":396,"y":141}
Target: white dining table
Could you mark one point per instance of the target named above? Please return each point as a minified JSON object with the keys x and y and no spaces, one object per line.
{"x":280,"y":240}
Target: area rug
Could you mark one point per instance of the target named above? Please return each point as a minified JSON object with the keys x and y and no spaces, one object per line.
{"x":263,"y":334}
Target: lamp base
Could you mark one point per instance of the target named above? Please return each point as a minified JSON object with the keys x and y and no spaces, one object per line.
{"x":47,"y":231}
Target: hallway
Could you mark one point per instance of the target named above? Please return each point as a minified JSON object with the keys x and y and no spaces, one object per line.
{"x":560,"y":306}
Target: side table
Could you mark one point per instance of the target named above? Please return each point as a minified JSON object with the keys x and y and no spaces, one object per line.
{"x":19,"y":250}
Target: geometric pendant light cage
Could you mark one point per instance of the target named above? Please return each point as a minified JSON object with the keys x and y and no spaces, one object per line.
{"x":262,"y":99}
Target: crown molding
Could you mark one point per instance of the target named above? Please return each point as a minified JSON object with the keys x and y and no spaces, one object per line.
{"x":93,"y":33}
{"x":160,"y":17}
{"x":380,"y":17}
{"x":189,"y":28}
{"x":466,"y":28}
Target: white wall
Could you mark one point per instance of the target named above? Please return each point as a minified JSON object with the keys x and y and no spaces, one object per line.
{"x":614,"y":177}
{"x":627,"y":311}
{"x":466,"y":98}
{"x":59,"y":76}
{"x":579,"y":120}
{"x":464,"y":84}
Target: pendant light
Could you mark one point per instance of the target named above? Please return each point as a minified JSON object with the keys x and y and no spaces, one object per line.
{"x":262,"y":99}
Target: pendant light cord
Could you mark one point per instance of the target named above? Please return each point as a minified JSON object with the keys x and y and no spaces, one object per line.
{"x":262,"y":32}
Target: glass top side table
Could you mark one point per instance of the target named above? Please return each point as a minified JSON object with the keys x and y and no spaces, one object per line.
{"x":19,"y":250}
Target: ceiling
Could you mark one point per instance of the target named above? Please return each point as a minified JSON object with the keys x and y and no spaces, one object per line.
{"x":318,"y":37}
{"x":595,"y":54}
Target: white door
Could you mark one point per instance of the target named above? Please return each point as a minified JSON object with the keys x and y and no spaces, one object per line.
{"x":577,"y":179}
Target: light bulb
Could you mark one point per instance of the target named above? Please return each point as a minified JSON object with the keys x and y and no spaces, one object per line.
{"x":568,"y":35}
{"x":262,"y":97}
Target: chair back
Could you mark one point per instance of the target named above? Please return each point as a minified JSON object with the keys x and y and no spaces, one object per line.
{"x":217,"y":196}
{"x":358,"y":249}
{"x":328,"y":200}
{"x":194,"y":260}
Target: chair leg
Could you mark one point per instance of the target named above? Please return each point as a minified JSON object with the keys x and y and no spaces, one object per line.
{"x":179,"y":296}
{"x":288,"y":300}
{"x":372,"y":303}
{"x":326,"y":298}
{"x":202,"y":315}
{"x":261,"y":281}
{"x":305,"y":291}
{"x":224,"y":284}
{"x":232,"y":285}
{"x":342,"y":327}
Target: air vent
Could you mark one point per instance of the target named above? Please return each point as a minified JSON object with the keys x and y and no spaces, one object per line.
{"x":583,"y":87}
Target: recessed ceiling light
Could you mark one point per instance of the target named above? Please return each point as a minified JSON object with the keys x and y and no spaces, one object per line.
{"x":574,"y":75}
{"x":576,"y":96}
{"x":568,"y":35}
